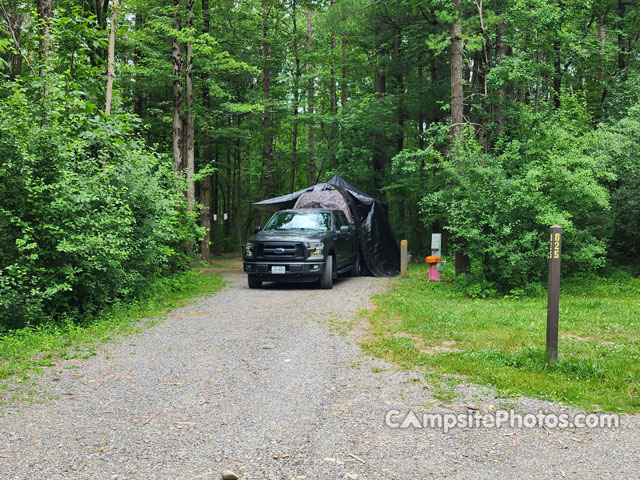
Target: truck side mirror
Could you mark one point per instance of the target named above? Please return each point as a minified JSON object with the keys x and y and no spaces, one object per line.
{"x":257,"y":229}
{"x":345,"y":229}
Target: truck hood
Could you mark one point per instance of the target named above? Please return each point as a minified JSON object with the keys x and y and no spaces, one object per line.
{"x":289,"y":235}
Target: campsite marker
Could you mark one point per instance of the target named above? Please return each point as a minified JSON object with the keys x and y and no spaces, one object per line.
{"x":553,"y":293}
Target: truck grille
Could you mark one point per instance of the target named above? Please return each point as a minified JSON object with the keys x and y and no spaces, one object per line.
{"x":280,"y":250}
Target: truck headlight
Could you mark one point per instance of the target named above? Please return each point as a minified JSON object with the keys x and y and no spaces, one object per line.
{"x":248,"y":250}
{"x":315,"y":249}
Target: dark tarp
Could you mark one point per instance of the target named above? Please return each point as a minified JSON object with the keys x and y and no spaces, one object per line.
{"x":380,"y":251}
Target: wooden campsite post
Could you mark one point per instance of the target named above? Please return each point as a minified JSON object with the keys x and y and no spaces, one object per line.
{"x":553,"y":293}
{"x":403,"y":258}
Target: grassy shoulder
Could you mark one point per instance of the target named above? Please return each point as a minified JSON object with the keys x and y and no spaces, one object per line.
{"x":501,"y":341}
{"x":29,"y":349}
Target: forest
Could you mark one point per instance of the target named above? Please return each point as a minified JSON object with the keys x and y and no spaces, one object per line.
{"x":134,"y":136}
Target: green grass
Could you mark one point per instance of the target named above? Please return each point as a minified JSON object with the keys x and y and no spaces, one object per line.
{"x":501,"y":341}
{"x":29,"y":349}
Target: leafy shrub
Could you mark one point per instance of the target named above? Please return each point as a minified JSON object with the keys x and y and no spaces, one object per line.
{"x":616,"y":147}
{"x":87,"y":212}
{"x":500,"y":207}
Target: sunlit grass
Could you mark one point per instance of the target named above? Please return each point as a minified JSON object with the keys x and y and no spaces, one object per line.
{"x":501,"y":341}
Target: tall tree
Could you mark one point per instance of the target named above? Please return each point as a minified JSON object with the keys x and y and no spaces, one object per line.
{"x":333,"y":95}
{"x":296,"y":97}
{"x":111,"y":57}
{"x":176,"y":57}
{"x":500,"y":50}
{"x":205,"y":186}
{"x":311,"y":161}
{"x":188,"y":117}
{"x":267,"y":133}
{"x":457,"y":93}
{"x":45,"y":12}
{"x":461,"y":260}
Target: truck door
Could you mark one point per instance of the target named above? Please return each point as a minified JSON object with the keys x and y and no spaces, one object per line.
{"x":345,"y":251}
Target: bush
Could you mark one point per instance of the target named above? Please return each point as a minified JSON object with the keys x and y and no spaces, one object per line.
{"x":500,"y":207}
{"x":616,"y":146}
{"x":87,"y":212}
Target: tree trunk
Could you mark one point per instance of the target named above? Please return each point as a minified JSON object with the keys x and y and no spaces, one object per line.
{"x":420,"y":117}
{"x":480,"y":82}
{"x":205,"y":199}
{"x":176,"y":56}
{"x":380,"y":79}
{"x":227,"y":193}
{"x":601,"y":37}
{"x":379,"y":142}
{"x":296,"y":101}
{"x":344,"y":93}
{"x":242,"y":173}
{"x":461,"y":260}
{"x":501,"y":96}
{"x":111,"y":58}
{"x":189,"y":122}
{"x":311,"y":161}
{"x":100,"y":22}
{"x":557,"y":77}
{"x":45,"y":12}
{"x":621,"y":39}
{"x":399,"y":93}
{"x":436,"y":112}
{"x":205,"y":187}
{"x":457,"y":118}
{"x":333,"y":97}
{"x":267,"y":144}
{"x":137,"y":60}
{"x":216,"y":208}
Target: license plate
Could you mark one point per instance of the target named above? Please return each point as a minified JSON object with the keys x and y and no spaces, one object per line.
{"x":278,"y":269}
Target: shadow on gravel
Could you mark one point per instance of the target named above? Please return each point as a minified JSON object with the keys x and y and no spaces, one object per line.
{"x":315,"y":285}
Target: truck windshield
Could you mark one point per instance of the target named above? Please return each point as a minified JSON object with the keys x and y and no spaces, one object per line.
{"x":319,"y":221}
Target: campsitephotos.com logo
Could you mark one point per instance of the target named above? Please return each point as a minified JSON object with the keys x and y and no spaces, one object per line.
{"x":445,"y":422}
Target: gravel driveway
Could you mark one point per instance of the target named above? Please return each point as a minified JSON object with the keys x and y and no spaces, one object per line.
{"x":272,"y":385}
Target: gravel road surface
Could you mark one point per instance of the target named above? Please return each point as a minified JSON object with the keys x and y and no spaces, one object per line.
{"x":271,"y":384}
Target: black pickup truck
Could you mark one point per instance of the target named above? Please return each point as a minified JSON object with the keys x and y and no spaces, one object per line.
{"x":302,"y":245}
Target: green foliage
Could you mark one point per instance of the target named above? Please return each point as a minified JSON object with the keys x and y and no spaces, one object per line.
{"x":30,"y":348}
{"x":616,"y":146}
{"x":500,"y":207}
{"x":363,"y":124}
{"x":87,"y":212}
{"x":549,"y":90}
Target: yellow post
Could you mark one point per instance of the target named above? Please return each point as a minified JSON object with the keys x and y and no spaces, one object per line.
{"x":403,"y":258}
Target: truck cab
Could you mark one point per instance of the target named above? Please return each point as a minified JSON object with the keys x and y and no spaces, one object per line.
{"x":302,"y":245}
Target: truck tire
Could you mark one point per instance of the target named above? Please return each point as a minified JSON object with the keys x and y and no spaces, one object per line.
{"x":355,"y":271}
{"x":254,"y":282}
{"x":326,"y":280}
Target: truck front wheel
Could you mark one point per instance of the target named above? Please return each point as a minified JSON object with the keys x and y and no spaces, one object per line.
{"x":254,"y":282}
{"x":326,"y":280}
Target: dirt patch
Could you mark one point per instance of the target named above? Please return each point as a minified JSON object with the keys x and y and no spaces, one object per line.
{"x":225,"y":264}
{"x":578,"y":338}
{"x":419,"y":343}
